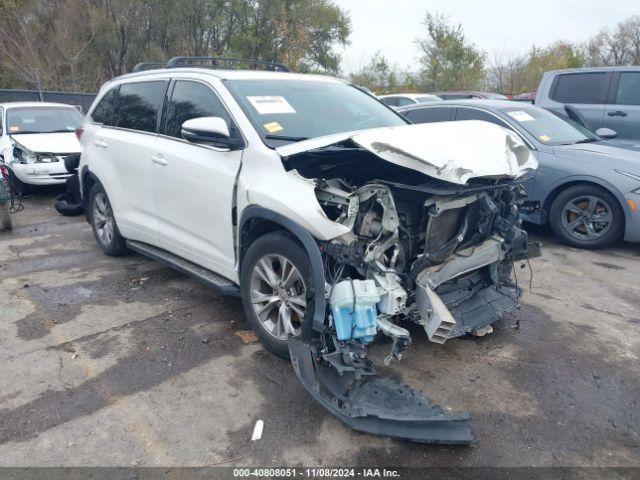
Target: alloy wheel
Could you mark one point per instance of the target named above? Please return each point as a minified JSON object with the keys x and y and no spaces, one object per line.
{"x":278,"y":295}
{"x":587,"y":217}
{"x":103,"y":218}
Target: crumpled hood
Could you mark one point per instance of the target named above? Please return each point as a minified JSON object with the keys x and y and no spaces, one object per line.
{"x":451,"y":151}
{"x":62,"y":142}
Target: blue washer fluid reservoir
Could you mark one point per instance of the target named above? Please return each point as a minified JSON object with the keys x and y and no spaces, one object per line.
{"x":353,"y":305}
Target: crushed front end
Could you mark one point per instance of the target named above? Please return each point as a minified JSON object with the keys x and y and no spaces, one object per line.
{"x":433,"y":249}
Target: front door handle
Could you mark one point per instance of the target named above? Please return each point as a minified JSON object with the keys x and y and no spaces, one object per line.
{"x":159,"y":159}
{"x":617,"y":113}
{"x":98,"y":142}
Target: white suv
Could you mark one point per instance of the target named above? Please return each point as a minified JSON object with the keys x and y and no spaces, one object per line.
{"x":331,"y":217}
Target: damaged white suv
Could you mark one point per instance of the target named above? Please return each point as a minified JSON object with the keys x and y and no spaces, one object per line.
{"x":331,"y":217}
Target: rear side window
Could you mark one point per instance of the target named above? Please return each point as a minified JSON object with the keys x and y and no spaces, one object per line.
{"x":103,"y":113}
{"x":138,"y":105}
{"x":428,"y":115}
{"x":192,"y":100}
{"x":475,"y":114}
{"x":391,"y":101}
{"x":628,"y":89}
{"x":581,"y":88}
{"x":402,"y":101}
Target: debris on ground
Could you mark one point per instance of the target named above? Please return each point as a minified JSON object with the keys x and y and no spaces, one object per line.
{"x":257,"y":431}
{"x":247,"y":336}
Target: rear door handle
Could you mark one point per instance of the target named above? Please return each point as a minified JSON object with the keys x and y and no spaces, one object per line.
{"x":159,"y":159}
{"x":617,"y":113}
{"x":98,"y":142}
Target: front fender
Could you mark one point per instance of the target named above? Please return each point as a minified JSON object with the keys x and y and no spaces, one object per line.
{"x":572,"y":179}
{"x":310,"y":245}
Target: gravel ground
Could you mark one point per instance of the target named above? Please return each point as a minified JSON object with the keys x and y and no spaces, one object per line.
{"x":125,"y":362}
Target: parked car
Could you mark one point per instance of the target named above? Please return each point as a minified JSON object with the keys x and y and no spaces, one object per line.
{"x":586,"y":188}
{"x":402,"y":99}
{"x":526,"y":96}
{"x":35,"y":136}
{"x":606,"y":97}
{"x":461,"y":95}
{"x":304,"y":195}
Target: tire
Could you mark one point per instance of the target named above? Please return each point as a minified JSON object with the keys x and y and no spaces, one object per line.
{"x":103,"y":223}
{"x":587,"y":216}
{"x":279,"y":301}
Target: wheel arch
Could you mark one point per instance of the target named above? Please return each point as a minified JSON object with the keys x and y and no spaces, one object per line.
{"x":559,"y":187}
{"x":256,"y":221}
{"x":87,"y":180}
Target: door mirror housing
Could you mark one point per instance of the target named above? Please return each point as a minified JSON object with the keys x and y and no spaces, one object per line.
{"x":606,"y":133}
{"x":210,"y":131}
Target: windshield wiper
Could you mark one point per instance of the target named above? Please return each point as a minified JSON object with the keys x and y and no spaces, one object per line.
{"x":285,"y":138}
{"x":586,"y":140}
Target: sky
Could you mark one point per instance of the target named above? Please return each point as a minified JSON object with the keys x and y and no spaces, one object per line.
{"x":391,"y":26}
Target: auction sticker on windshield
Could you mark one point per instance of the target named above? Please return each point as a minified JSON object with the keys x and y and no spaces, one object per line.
{"x":520,"y":116}
{"x":266,"y":105}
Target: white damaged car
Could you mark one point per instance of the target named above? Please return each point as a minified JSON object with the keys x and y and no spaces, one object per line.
{"x":35,"y":136}
{"x":333,"y":219}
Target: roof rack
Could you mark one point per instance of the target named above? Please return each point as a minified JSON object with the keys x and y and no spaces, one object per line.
{"x":140,"y":67}
{"x":220,"y":62}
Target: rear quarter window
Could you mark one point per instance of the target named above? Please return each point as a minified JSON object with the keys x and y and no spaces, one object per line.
{"x":138,"y":105}
{"x":589,"y":87}
{"x":103,"y":113}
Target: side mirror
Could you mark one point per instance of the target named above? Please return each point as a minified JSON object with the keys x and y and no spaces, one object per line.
{"x":210,"y":131}
{"x":606,"y":133}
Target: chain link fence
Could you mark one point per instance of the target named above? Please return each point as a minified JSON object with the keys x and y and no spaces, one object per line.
{"x":81,"y":100}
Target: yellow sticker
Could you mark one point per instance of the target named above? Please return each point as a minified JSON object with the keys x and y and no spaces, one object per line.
{"x":273,"y":127}
{"x":14,"y":129}
{"x":544,"y":138}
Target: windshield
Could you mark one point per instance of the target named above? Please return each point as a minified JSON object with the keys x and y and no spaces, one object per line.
{"x":549,"y":128}
{"x":43,"y":120}
{"x":285,"y":111}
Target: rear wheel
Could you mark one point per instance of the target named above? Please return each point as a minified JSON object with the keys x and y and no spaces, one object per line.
{"x":103,"y":223}
{"x":587,"y":216}
{"x":276,"y":290}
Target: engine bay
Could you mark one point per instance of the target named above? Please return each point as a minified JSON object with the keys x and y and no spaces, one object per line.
{"x":418,"y":250}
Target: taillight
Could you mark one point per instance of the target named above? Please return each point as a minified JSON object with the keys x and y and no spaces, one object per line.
{"x":79,"y":132}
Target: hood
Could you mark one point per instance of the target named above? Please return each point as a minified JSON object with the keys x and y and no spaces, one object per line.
{"x":63,"y":142}
{"x":602,"y":154}
{"x":451,"y":151}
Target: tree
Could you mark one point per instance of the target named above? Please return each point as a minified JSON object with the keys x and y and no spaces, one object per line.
{"x":379,"y":76}
{"x":507,"y":72}
{"x":79,"y":44}
{"x":449,"y":60}
{"x":620,"y":46}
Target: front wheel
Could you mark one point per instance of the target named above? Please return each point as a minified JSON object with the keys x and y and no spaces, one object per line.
{"x":277,"y":290}
{"x":587,"y":216}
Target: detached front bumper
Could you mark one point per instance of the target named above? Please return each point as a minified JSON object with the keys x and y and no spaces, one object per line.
{"x":40,"y":173}
{"x":475,"y":301}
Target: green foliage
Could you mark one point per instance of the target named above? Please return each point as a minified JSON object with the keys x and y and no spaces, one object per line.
{"x":77,"y":45}
{"x":449,"y":61}
{"x":379,"y":76}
